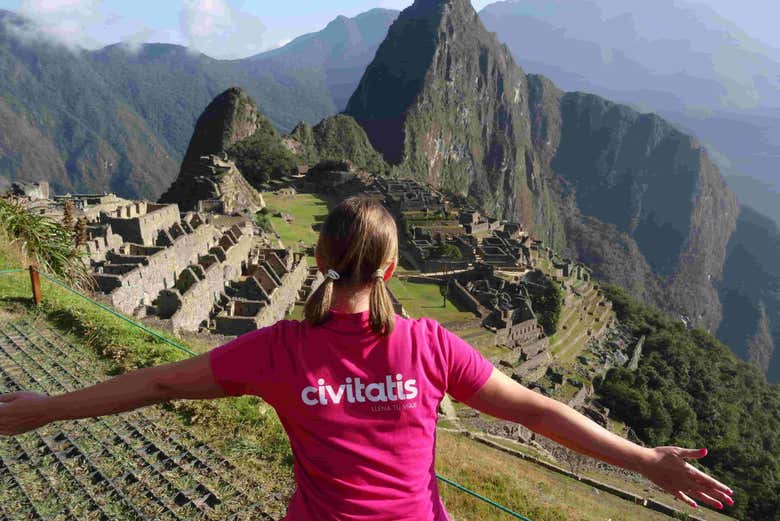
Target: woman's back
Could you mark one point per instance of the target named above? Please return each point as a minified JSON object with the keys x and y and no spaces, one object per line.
{"x":360,"y":409}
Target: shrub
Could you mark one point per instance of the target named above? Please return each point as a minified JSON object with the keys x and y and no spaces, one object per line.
{"x":45,"y":242}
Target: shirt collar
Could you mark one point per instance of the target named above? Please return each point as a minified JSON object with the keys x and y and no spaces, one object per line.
{"x":347,"y":322}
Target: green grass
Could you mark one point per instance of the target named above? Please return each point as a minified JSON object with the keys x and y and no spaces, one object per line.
{"x":125,"y":347}
{"x":424,"y":300}
{"x":306,"y":209}
{"x":531,"y":490}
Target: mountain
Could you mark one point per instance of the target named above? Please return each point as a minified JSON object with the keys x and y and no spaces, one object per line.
{"x":676,"y":58}
{"x":337,"y":55}
{"x":445,"y":102}
{"x":119,"y":119}
{"x":229,"y":119}
{"x":629,"y":193}
{"x":750,"y":291}
{"x":336,"y":138}
{"x":63,"y":122}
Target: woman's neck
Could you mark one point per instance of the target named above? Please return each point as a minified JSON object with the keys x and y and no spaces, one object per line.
{"x":349,"y":300}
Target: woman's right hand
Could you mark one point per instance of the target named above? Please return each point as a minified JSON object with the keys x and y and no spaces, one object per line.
{"x":22,"y":411}
{"x":667,"y":467}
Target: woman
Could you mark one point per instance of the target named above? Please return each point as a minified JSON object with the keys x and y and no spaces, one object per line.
{"x":357,"y":389}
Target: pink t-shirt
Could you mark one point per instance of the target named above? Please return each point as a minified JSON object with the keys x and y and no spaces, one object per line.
{"x":360,"y":410}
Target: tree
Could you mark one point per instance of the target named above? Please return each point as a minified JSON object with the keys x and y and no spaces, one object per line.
{"x":262,"y":156}
{"x":448,"y":251}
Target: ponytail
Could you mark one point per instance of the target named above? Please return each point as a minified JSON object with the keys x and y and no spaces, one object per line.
{"x":315,"y":311}
{"x":358,"y":239}
{"x":381,"y":315}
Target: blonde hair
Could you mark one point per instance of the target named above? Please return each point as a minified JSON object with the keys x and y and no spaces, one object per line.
{"x":357,"y":242}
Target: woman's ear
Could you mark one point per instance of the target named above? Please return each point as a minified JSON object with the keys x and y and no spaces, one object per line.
{"x":320,"y":265}
{"x":389,"y":271}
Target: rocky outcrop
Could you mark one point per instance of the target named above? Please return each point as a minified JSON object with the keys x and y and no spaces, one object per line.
{"x":229,"y":118}
{"x":207,"y":180}
{"x":214,"y":184}
{"x":761,"y":347}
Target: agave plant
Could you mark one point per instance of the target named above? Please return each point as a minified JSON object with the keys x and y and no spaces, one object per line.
{"x":45,"y":242}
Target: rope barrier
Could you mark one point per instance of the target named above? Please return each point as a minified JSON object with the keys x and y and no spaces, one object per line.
{"x":119,"y":315}
{"x":180,"y":347}
{"x":483,"y":498}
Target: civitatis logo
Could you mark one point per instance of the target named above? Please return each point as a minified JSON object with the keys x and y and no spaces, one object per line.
{"x":354,"y":391}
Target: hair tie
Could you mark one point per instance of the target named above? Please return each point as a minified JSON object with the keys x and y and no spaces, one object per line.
{"x":333,"y":274}
{"x":378,"y":274}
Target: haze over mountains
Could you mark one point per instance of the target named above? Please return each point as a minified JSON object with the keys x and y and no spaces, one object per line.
{"x":679,"y":59}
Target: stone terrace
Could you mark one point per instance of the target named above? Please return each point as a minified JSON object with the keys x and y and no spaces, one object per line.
{"x":266,"y":295}
{"x":133,"y":275}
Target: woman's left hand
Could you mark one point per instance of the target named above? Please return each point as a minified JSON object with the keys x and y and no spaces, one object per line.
{"x":667,"y":468}
{"x":21,"y":412}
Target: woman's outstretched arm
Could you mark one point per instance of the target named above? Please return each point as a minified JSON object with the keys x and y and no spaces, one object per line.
{"x":189,"y":379}
{"x":665,"y":466}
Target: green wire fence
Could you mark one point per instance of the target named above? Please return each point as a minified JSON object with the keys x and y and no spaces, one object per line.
{"x":185,"y":349}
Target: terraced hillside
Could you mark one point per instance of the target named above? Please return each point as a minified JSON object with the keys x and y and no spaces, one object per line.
{"x":134,"y":466}
{"x":586,"y":315}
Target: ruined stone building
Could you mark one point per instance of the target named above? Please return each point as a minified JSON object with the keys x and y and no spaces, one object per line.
{"x":195,"y":270}
{"x":503,"y":306}
{"x":274,"y":283}
{"x":405,"y":195}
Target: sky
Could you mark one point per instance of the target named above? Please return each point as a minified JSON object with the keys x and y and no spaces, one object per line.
{"x":239,"y":28}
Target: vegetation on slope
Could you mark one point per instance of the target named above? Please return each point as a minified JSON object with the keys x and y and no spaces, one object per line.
{"x":256,"y":430}
{"x":262,"y":156}
{"x":547,"y":300}
{"x":119,"y":119}
{"x":338,"y":138}
{"x":690,"y":390}
{"x":45,"y":242}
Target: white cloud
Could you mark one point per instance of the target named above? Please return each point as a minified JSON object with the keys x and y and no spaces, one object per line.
{"x":218,"y":29}
{"x":64,"y":21}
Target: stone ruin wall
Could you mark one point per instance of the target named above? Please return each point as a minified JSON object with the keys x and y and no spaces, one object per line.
{"x":102,"y":239}
{"x":140,"y":222}
{"x":156,"y":272}
{"x":187,"y":308}
{"x":526,"y":338}
{"x":247,"y":315}
{"x":284,"y":297}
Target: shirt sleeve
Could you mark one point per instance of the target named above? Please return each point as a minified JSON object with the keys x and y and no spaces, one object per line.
{"x":467,"y":369}
{"x":245,"y":365}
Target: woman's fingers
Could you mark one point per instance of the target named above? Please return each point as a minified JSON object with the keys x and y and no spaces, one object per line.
{"x":685,"y":499}
{"x":721,"y":496}
{"x":709,"y":481}
{"x":706,"y":498}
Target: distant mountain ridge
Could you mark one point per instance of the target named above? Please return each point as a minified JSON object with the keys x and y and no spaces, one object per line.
{"x":119,"y":119}
{"x":676,"y":58}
